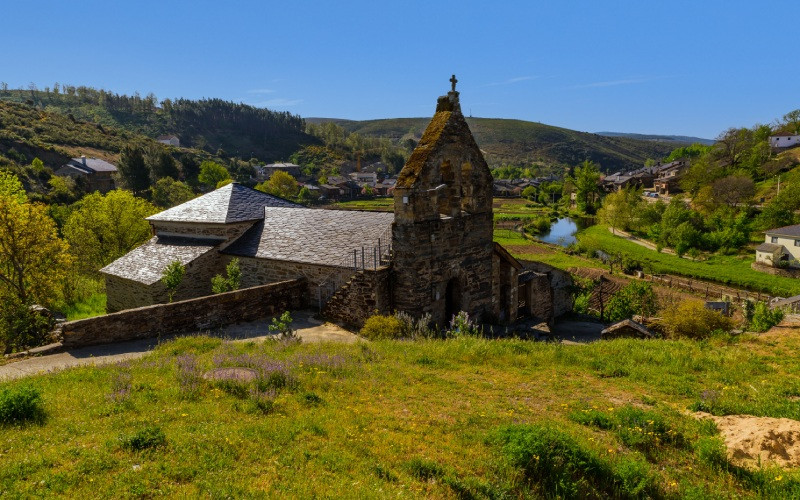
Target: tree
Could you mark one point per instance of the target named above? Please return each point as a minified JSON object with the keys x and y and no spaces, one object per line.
{"x":280,"y":184}
{"x":172,"y":277}
{"x":733,"y":190}
{"x":162,"y":164}
{"x":106,"y":227}
{"x":33,"y":259}
{"x":168,"y":192}
{"x":529,"y":193}
{"x":637,"y":297}
{"x":133,"y":170}
{"x":587,"y":188}
{"x":621,"y":209}
{"x":229,"y":283}
{"x":10,"y":186}
{"x":791,"y":121}
{"x":211,"y":174}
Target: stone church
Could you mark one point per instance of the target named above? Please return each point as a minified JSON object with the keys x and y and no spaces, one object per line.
{"x":435,"y":255}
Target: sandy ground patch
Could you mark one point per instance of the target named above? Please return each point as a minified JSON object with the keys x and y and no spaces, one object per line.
{"x":759,"y":440}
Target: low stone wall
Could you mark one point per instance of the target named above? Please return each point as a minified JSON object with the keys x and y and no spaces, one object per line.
{"x":367,"y":293}
{"x":776,"y":271}
{"x":202,"y":313}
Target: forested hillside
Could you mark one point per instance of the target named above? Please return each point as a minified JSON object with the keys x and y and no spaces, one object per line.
{"x":517,"y":142}
{"x":221,"y":127}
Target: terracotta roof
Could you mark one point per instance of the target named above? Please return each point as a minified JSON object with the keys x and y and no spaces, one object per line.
{"x":315,"y":236}
{"x":146,"y":263}
{"x":229,"y":204}
{"x":792,"y":231}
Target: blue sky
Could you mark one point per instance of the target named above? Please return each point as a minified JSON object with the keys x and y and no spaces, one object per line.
{"x":692,"y":68}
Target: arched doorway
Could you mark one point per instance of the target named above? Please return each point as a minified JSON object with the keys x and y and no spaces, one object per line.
{"x":452,"y":300}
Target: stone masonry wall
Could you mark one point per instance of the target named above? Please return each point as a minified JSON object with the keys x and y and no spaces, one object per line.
{"x":261,"y":271}
{"x":127,"y":294}
{"x":429,"y":254}
{"x":367,"y":293}
{"x":203,"y":313}
{"x":561,"y":284}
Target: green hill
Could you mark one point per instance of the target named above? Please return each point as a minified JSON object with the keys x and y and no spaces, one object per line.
{"x":216,"y":126}
{"x":680,"y":139}
{"x":519,"y":142}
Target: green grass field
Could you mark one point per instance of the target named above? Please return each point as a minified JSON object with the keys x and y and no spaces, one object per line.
{"x":732,"y":270}
{"x":527,"y":249}
{"x":94,"y":305}
{"x":466,"y":418}
{"x":375,"y":204}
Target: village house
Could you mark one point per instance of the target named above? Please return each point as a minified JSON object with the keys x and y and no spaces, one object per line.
{"x":169,"y":140}
{"x":434,"y":255}
{"x":668,"y":177}
{"x":781,"y":247}
{"x":264,"y":172}
{"x":784,"y":140}
{"x":99,"y":174}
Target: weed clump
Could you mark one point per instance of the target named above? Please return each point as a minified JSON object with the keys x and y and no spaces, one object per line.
{"x":20,"y":404}
{"x":691,"y":319}
{"x":149,"y":437}
{"x":424,"y":469}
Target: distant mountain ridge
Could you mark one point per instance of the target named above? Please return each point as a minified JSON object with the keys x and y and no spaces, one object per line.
{"x":518,"y":142}
{"x":681,"y":139}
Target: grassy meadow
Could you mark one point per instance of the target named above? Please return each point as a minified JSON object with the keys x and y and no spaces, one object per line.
{"x":733,"y":270}
{"x":459,"y":418}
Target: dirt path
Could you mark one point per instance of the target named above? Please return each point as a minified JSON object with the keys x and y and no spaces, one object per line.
{"x":308,"y":329}
{"x":638,"y":241}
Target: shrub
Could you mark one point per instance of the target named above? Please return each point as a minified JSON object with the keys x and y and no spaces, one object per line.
{"x":22,"y":327}
{"x":149,"y":437}
{"x":382,"y":327}
{"x":691,"y":319}
{"x":764,"y":318}
{"x":563,"y":468}
{"x":461,"y":325}
{"x":416,"y":329}
{"x":282,"y":326}
{"x":20,"y":404}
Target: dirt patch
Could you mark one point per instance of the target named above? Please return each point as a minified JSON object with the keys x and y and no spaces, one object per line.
{"x":759,"y":440}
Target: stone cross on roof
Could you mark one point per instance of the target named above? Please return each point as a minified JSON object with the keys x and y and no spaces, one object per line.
{"x":453,"y":82}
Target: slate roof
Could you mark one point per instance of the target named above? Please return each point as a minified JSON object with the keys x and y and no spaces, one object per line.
{"x":768,"y":247}
{"x":146,"y":263}
{"x":314,"y":236}
{"x":91,"y":165}
{"x":791,"y":231}
{"x":229,"y":204}
{"x":626,"y":328}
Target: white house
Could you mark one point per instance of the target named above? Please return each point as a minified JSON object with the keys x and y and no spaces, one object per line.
{"x":784,"y":140}
{"x":780,"y":245}
{"x":169,"y":140}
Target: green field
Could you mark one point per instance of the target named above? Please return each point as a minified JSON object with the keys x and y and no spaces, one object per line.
{"x":438,"y":418}
{"x":375,"y":204}
{"x":527,"y":249}
{"x":732,"y":270}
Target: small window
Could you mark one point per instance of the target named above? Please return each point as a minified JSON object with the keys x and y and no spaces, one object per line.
{"x":797,"y":243}
{"x":774,"y":239}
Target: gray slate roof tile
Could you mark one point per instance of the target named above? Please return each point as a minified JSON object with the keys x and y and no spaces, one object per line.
{"x":146,"y":263}
{"x":228,"y":204}
{"x":91,"y":165}
{"x":313,"y":236}
{"x":791,"y":231}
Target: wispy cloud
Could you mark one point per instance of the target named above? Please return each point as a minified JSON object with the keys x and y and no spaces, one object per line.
{"x":278,"y":103}
{"x":260,"y":91}
{"x":511,"y":81}
{"x":614,"y":83}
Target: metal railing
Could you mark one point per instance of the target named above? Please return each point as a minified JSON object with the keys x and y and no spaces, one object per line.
{"x":371,"y":257}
